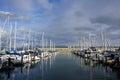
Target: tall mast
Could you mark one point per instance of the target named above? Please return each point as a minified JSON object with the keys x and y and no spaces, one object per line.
{"x":0,"y":40}
{"x":84,"y":43}
{"x":15,"y":36}
{"x":32,"y":43}
{"x":24,"y":41}
{"x":35,"y":41}
{"x":103,"y":38}
{"x":29,"y":40}
{"x":10,"y":37}
{"x":89,"y":40}
{"x":46,"y":44}
{"x":50,"y":44}
{"x":7,"y":36}
{"x":54,"y":46}
{"x":43,"y":42}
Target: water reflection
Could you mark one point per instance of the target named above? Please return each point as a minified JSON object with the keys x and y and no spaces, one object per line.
{"x":61,"y":67}
{"x":30,"y":71}
{"x":45,"y":65}
{"x":95,"y":70}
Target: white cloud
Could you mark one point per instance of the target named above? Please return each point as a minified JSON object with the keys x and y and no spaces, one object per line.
{"x":71,"y":18}
{"x":4,"y":15}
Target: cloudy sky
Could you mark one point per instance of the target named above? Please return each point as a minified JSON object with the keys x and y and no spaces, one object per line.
{"x":64,"y":20}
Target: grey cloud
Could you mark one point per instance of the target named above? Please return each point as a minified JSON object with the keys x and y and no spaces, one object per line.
{"x":113,"y":36}
{"x":109,"y":20}
{"x":45,"y":4}
{"x":84,"y":29}
{"x":113,"y":28}
{"x":81,"y":17}
{"x":113,"y":23}
{"x":72,"y":19}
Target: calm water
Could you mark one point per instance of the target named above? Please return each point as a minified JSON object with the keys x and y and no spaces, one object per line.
{"x":62,"y":67}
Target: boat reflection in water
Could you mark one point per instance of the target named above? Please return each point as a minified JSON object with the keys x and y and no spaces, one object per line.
{"x":95,"y":70}
{"x":30,"y":71}
{"x":62,"y":67}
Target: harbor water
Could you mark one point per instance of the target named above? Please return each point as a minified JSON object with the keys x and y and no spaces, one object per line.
{"x":62,"y":67}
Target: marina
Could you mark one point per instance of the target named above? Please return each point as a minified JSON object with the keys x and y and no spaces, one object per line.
{"x":59,"y":40}
{"x":65,"y":66}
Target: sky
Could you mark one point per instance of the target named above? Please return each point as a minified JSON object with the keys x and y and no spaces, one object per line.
{"x":65,"y":20}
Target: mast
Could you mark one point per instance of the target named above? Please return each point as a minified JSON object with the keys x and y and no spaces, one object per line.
{"x":54,"y":47}
{"x":43,"y":48}
{"x":10,"y":37}
{"x":84,"y":43}
{"x":35,"y":41}
{"x":15,"y":36}
{"x":50,"y":45}
{"x":32,"y":43}
{"x":81,"y":47}
{"x":29,"y":40}
{"x":0,"y":40}
{"x":7,"y":36}
{"x":24,"y":41}
{"x":89,"y":40}
{"x":103,"y":38}
{"x":78,"y":44}
{"x":46,"y":44}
